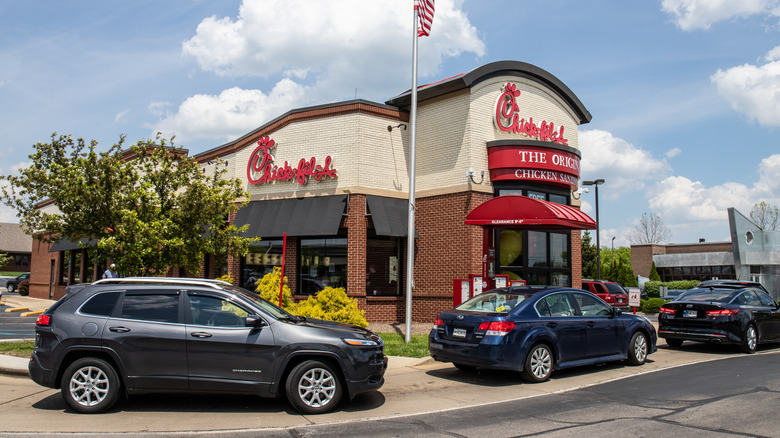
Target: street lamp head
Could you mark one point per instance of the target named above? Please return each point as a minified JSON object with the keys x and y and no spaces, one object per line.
{"x":593,"y":183}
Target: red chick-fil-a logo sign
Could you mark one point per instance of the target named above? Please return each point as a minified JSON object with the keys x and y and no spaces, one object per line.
{"x":261,"y":161}
{"x":508,"y":120}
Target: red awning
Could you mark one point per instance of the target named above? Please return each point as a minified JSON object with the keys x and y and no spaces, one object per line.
{"x":522,"y":212}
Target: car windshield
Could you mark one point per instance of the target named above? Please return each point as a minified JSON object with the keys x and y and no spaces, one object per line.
{"x":271,"y":308}
{"x":714,"y":295}
{"x":498,"y":302}
{"x":614,"y":288}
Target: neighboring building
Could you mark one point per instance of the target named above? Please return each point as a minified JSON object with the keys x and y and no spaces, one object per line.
{"x":335,"y":179}
{"x":752,"y":255}
{"x":17,"y":244}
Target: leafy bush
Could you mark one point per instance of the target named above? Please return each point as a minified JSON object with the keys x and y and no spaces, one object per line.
{"x":652,"y":305}
{"x":653,"y":288}
{"x":332,"y":304}
{"x":268,"y":289}
{"x":24,"y":288}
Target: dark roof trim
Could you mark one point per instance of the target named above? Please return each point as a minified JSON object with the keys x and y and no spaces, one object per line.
{"x":489,"y":71}
{"x":68,"y":245}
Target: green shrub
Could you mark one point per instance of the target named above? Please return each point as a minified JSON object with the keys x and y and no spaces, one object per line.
{"x":652,"y":305}
{"x":24,"y":288}
{"x":268,"y":289}
{"x":653,"y":288}
{"x":332,"y":304}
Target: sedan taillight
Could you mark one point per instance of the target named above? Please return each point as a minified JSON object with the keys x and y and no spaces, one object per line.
{"x":666,"y":311}
{"x":497,"y":328}
{"x":722,"y":312}
{"x":438,"y":323}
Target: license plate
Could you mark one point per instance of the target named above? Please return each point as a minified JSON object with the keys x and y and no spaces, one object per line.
{"x":690,"y":313}
{"x":459,"y":333}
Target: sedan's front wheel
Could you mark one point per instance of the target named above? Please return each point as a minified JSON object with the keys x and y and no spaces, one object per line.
{"x":90,"y":385}
{"x":313,"y":387}
{"x":538,"y":364}
{"x":637,"y":349}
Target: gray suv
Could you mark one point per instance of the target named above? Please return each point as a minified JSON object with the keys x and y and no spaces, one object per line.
{"x":148,"y":335}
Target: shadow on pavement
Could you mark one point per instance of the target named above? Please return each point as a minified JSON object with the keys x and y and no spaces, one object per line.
{"x":197,"y":403}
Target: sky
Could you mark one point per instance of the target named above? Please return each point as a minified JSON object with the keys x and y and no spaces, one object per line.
{"x":684,"y":94}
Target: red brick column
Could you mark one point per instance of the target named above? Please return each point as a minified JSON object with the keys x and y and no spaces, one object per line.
{"x":357,"y":237}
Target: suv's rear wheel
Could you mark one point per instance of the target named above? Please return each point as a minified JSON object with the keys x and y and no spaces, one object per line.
{"x":313,"y":387}
{"x":10,"y":287}
{"x":90,"y":385}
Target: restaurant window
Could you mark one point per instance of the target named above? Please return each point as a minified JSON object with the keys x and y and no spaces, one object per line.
{"x":260,"y":260}
{"x":323,"y":263}
{"x":538,"y":257}
{"x":383,"y":266}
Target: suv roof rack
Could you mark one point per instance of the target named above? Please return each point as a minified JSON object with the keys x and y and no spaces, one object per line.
{"x":216,"y":284}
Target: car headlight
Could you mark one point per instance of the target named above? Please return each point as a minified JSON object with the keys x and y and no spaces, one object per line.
{"x":360,"y":342}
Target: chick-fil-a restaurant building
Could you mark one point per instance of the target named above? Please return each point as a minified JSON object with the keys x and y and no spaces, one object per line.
{"x":498,"y":166}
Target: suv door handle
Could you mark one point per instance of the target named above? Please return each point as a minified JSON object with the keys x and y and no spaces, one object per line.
{"x":590,"y":323}
{"x":119,"y":329}
{"x":552,"y":324}
{"x":200,"y":335}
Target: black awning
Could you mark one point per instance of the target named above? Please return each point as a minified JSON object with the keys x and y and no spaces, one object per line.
{"x":67,"y":245}
{"x":318,"y":216}
{"x":390,"y":215}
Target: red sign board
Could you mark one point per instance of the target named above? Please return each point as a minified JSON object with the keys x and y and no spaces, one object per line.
{"x":533,"y":163}
{"x":262,"y":162}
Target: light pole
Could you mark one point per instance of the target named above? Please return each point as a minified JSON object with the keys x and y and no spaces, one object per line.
{"x":596,"y":183}
{"x":613,"y":251}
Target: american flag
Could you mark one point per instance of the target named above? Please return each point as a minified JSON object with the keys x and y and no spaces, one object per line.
{"x":424,"y":10}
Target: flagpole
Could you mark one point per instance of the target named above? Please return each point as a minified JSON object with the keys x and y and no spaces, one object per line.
{"x":412,"y":163}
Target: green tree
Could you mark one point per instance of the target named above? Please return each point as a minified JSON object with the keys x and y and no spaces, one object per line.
{"x":588,"y":254}
{"x":149,"y":207}
{"x":654,"y":273}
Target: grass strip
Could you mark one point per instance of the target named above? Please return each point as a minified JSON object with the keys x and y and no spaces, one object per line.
{"x":395,"y":345}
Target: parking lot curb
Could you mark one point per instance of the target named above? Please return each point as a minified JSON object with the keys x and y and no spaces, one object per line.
{"x":33,"y":313}
{"x":17,"y":309}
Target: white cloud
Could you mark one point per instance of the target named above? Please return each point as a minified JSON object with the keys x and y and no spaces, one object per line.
{"x":753,"y":90}
{"x":623,"y":165}
{"x":326,"y":51}
{"x":121,"y":116}
{"x":701,"y":14}
{"x":681,"y":200}
{"x":230,"y":114}
{"x":673,"y":152}
{"x":158,"y":108}
{"x":269,"y":37}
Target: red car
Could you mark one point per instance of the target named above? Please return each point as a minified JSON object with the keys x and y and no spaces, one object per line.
{"x":609,"y":291}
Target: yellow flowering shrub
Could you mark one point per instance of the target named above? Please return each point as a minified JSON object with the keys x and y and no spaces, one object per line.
{"x":332,"y":304}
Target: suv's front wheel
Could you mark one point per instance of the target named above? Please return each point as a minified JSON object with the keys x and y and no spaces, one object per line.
{"x":90,"y":385}
{"x":313,"y":387}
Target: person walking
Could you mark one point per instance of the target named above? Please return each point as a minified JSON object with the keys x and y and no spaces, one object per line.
{"x":111,"y":272}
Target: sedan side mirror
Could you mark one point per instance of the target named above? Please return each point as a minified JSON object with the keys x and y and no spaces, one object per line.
{"x":255,"y":321}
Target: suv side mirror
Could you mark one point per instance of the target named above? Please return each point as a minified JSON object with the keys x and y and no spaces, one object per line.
{"x":255,"y":321}
{"x":616,"y":311}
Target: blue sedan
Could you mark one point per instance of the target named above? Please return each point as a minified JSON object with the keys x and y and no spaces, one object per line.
{"x":538,"y":329}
